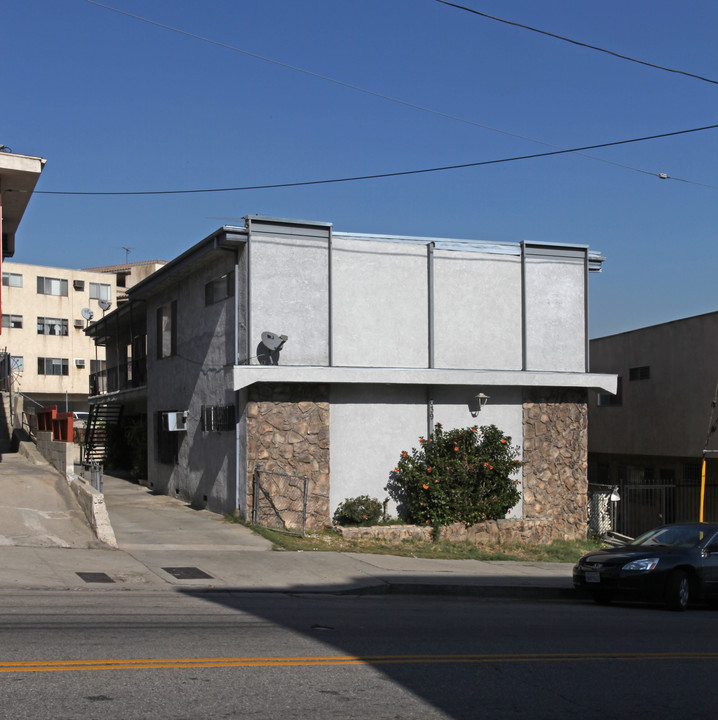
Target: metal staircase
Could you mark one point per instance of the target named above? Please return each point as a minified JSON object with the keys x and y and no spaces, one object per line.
{"x":101,"y":418}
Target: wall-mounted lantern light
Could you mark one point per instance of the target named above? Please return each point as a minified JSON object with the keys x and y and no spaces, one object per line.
{"x":476,"y":403}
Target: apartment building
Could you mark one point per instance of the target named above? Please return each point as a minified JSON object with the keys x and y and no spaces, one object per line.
{"x":45,"y":310}
{"x":284,"y":347}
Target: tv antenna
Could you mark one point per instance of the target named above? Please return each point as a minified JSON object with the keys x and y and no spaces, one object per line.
{"x":127,"y":252}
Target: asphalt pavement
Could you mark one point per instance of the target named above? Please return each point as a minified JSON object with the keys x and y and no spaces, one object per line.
{"x":46,"y":543}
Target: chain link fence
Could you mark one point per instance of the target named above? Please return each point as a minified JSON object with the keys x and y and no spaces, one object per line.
{"x":279,"y":501}
{"x":602,"y":501}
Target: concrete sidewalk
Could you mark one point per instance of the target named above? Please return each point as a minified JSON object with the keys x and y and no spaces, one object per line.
{"x":165,"y":544}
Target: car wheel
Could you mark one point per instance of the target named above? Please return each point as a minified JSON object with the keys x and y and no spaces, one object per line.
{"x":678,"y":590}
{"x":602,"y":597}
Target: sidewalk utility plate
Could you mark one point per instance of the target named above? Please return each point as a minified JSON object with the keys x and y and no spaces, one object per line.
{"x":187,"y":573}
{"x":95,"y":577}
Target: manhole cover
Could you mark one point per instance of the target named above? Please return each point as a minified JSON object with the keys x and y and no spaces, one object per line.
{"x":187,"y":573}
{"x":95,"y":577}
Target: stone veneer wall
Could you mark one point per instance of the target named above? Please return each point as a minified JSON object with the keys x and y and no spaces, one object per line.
{"x":555,"y":450}
{"x":288,"y":432}
{"x":555,"y":485}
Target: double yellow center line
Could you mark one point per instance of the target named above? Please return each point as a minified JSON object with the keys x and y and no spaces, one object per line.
{"x":336,"y":660}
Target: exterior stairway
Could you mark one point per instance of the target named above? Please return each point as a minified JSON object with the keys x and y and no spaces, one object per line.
{"x":101,"y":418}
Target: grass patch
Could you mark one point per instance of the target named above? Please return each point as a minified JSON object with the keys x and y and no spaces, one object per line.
{"x":329,"y":540}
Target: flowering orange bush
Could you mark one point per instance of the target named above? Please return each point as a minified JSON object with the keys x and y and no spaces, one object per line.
{"x":471,"y":473}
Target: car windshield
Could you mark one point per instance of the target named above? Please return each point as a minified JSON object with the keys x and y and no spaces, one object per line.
{"x":682,"y":536}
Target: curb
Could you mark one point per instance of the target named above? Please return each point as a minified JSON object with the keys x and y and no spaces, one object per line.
{"x":516,"y":592}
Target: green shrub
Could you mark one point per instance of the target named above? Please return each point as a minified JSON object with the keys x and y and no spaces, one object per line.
{"x":460,"y":475}
{"x":361,"y":510}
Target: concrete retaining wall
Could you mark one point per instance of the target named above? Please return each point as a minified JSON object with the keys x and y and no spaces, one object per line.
{"x":61,"y":455}
{"x":93,"y":505}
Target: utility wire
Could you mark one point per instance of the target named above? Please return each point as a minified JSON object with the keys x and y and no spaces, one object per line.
{"x":577,"y":42}
{"x":349,"y":86}
{"x":401,"y":173}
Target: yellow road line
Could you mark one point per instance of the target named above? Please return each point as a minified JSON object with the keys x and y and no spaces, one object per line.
{"x":335,"y":660}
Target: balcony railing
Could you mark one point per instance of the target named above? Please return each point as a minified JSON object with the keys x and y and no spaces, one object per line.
{"x":126,"y":376}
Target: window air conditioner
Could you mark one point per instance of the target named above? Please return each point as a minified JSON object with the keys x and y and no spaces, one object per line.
{"x":80,"y":362}
{"x":174,"y":421}
{"x":79,"y":324}
{"x":78,"y":284}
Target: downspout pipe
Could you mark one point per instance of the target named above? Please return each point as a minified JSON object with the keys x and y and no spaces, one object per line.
{"x":237,"y":437}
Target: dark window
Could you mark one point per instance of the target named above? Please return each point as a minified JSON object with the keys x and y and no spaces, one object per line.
{"x":121,"y":280}
{"x":98,"y":365}
{"x":167,"y":443}
{"x":217,"y":418}
{"x":52,"y":366}
{"x":12,"y":321}
{"x":51,"y":326}
{"x":167,"y":330}
{"x":51,"y":286}
{"x":608,"y":400}
{"x":640,"y":373}
{"x":12,"y":279}
{"x":219,"y":289}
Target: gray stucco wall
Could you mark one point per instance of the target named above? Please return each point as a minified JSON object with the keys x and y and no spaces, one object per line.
{"x":370,"y":426}
{"x":555,"y":314}
{"x":289,"y":295}
{"x":380,"y":304}
{"x":477,"y":311}
{"x":205,"y":471}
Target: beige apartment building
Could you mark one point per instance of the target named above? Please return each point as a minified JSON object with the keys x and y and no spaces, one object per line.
{"x":44,"y":314}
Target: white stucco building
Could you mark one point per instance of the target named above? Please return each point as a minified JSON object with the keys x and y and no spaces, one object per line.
{"x":385,"y":335}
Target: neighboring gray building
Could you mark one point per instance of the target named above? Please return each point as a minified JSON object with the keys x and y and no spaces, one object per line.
{"x":648,"y":439}
{"x":385,"y":337}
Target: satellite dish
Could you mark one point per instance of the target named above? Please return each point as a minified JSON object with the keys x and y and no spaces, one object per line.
{"x":104,"y":304}
{"x":87,"y":314}
{"x":273,"y":342}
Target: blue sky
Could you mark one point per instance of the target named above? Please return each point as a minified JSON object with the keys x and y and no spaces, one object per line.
{"x":116,"y":104}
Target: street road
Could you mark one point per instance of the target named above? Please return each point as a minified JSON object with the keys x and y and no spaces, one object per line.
{"x":188,"y":654}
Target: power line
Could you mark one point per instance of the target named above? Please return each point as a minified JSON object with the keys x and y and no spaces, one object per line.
{"x":577,"y":42}
{"x":443,"y":168}
{"x":349,"y":86}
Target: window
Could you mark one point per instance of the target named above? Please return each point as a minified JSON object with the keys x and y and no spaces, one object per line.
{"x":608,"y":400}
{"x":167,"y":330}
{"x":98,"y":366}
{"x":12,"y":321}
{"x":51,"y":286}
{"x":17,"y":362}
{"x":52,"y":366}
{"x":219,"y":289}
{"x":216,"y":418}
{"x":640,"y":373}
{"x":121,"y":280}
{"x":167,"y":446}
{"x":51,"y":326}
{"x":11,"y":279}
{"x":99,"y":291}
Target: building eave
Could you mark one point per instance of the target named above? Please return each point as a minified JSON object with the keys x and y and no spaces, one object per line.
{"x":247,"y":375}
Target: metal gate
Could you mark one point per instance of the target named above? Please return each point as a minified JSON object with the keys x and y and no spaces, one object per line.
{"x":644,"y":506}
{"x":279,"y":501}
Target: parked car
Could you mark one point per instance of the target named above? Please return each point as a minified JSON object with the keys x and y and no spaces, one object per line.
{"x":674,"y":564}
